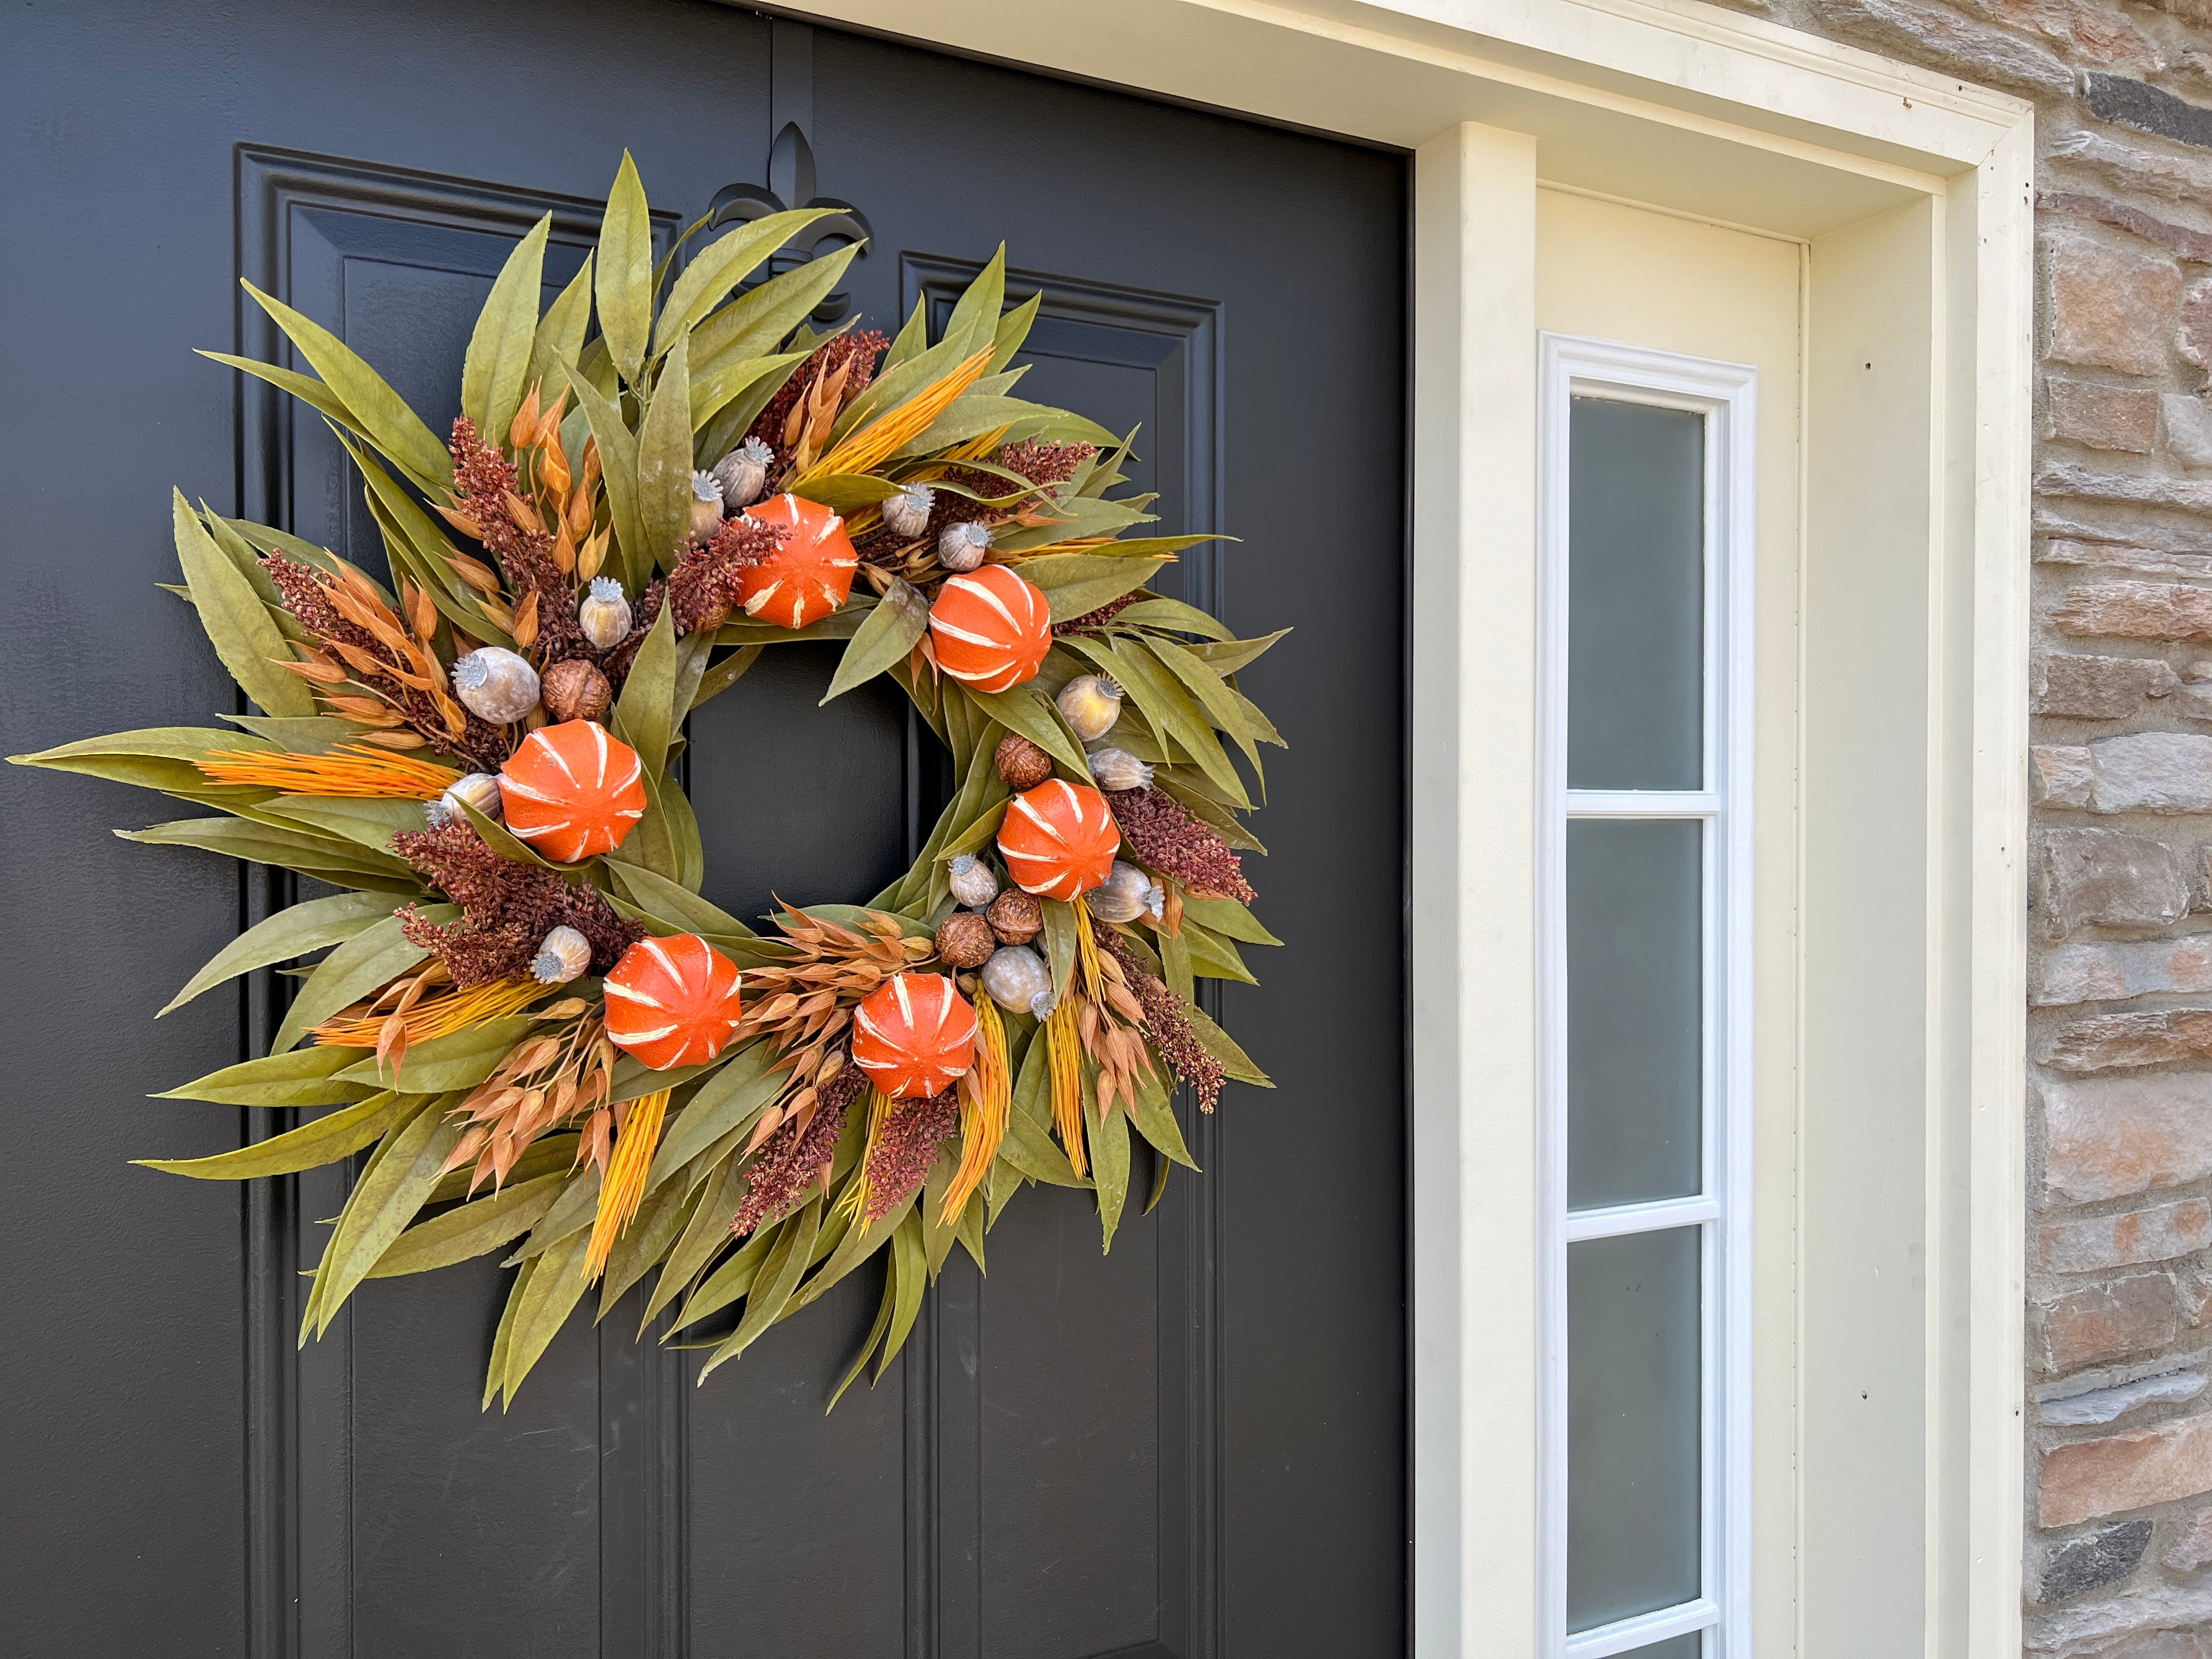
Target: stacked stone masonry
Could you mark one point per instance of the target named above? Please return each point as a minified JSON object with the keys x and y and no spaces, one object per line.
{"x":2119,"y":1249}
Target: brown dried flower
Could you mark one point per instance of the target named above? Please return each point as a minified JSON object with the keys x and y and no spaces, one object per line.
{"x":1165,"y":1024}
{"x":508,"y":907}
{"x":1166,"y":838}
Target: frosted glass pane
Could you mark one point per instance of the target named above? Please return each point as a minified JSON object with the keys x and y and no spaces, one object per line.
{"x":1635,"y":1000}
{"x":1636,"y":596}
{"x":1675,"y":1647}
{"x":1632,"y":1413}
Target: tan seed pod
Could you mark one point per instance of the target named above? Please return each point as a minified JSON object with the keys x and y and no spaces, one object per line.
{"x":964,"y":940}
{"x":1117,"y":769}
{"x":706,"y":508}
{"x":562,"y":956}
{"x":1015,"y":916}
{"x":576,"y":690}
{"x":962,"y":546}
{"x":480,"y":790}
{"x":906,"y":514}
{"x":1021,"y":764}
{"x":496,"y":684}
{"x":603,"y":613}
{"x":971,"y":881}
{"x":1090,"y":703}
{"x":743,"y":474}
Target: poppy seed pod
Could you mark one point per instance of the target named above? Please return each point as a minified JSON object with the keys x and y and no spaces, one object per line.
{"x":907,"y":514}
{"x":1126,"y":894}
{"x":706,"y":508}
{"x":480,"y":790}
{"x":743,"y":474}
{"x":495,"y":684}
{"x":1017,"y":980}
{"x":604,"y":613}
{"x":971,"y":881}
{"x":1090,"y":703}
{"x":563,"y":956}
{"x":1117,"y":769}
{"x":962,"y":546}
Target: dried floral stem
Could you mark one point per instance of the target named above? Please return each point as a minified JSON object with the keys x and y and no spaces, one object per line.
{"x":798,"y":1153}
{"x":624,"y":1185}
{"x":544,"y":1079}
{"x":349,"y":771}
{"x":1065,"y":1052}
{"x":855,"y":1198}
{"x":417,"y":1008}
{"x":986,"y":1092}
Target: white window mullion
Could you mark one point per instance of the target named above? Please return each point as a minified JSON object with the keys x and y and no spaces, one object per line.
{"x":1715,"y":795}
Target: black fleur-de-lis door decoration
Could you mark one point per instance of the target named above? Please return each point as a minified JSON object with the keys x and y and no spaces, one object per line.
{"x":791,"y":184}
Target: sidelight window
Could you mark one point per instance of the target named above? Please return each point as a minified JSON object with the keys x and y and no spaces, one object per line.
{"x":1646,"y":526}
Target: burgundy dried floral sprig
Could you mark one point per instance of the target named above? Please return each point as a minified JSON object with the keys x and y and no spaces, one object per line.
{"x":857,"y":353}
{"x":795,"y":1157}
{"x":508,"y":907}
{"x":1166,"y":1025}
{"x":1168,"y":840}
{"x":483,"y":481}
{"x":1092,"y":621}
{"x":906,"y":1149}
{"x":705,"y":581}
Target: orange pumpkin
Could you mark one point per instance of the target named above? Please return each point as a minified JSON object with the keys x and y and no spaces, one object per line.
{"x":913,"y":1035}
{"x":673,"y":1001}
{"x":807,"y":577}
{"x":990,"y":629}
{"x":571,"y":791}
{"x":1059,"y":839}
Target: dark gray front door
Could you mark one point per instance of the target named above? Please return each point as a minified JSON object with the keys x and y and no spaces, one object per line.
{"x":1192,"y":1447}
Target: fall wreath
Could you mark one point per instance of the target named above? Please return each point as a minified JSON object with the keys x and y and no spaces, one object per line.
{"x":518,"y":1006}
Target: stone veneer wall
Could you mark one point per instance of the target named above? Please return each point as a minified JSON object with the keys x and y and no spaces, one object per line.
{"x":2120,"y":1317}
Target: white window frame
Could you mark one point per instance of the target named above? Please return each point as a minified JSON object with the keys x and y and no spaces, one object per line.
{"x":1726,"y":396}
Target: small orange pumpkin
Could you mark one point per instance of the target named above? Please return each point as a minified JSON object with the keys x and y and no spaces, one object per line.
{"x":673,"y":1001}
{"x":807,"y":577}
{"x":913,"y":1035}
{"x":571,"y":790}
{"x":1059,"y":839}
{"x":990,"y":629}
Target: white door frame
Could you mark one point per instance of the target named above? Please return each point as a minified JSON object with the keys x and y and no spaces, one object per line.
{"x":1913,"y":191}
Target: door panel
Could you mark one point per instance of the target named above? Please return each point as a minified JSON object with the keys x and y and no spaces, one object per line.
{"x":1193,"y":1445}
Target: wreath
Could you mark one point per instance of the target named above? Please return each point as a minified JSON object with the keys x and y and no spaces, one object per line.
{"x":520,"y":1005}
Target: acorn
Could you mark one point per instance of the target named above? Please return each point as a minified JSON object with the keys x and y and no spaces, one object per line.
{"x":575,"y":691}
{"x":1018,"y":981}
{"x":962,"y":546}
{"x":706,"y":508}
{"x":496,"y":684}
{"x":1126,"y":894}
{"x":742,"y":474}
{"x":1090,"y":703}
{"x":563,"y":956}
{"x":1021,"y":764}
{"x":971,"y":881}
{"x":907,"y":514}
{"x":479,"y":789}
{"x":964,"y":940}
{"x":1015,"y":916}
{"x":1117,"y":769}
{"x":604,"y":613}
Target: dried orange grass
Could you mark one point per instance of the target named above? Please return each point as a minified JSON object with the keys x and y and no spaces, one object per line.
{"x":350,"y":770}
{"x":1064,"y":1050}
{"x":624,"y":1187}
{"x":433,"y":1013}
{"x":876,"y":442}
{"x":986,"y":1096}
{"x":854,"y":1202}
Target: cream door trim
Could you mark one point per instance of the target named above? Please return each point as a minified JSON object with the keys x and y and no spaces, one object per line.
{"x":1912,"y":191}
